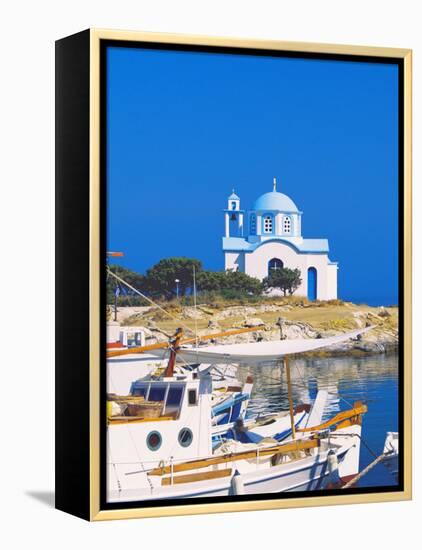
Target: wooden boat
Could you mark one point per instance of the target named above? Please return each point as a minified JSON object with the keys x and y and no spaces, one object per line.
{"x":174,"y":455}
{"x":391,"y":452}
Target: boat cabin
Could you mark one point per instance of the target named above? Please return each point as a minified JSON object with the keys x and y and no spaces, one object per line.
{"x":171,"y":394}
{"x":124,"y":336}
{"x":179,"y":429}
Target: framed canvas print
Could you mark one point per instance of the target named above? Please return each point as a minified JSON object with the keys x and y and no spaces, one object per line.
{"x":233,"y":274}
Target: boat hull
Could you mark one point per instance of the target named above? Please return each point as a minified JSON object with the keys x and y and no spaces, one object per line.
{"x":309,"y":474}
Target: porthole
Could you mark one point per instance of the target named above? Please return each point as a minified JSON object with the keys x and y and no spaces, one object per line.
{"x":154,"y":441}
{"x":185,"y":437}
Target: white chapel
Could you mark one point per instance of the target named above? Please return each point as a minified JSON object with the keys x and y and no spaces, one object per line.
{"x":269,"y":236}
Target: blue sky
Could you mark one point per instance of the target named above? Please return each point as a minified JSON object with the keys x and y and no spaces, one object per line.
{"x":184,"y":129}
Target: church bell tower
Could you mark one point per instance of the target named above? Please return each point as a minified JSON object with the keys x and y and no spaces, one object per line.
{"x":233,"y":217}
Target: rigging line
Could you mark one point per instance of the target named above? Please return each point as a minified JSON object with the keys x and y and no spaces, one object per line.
{"x":298,"y":384}
{"x":149,"y":300}
{"x":110,"y":454}
{"x":293,"y":382}
{"x":378,"y":460}
{"x":304,"y":382}
{"x":195,"y":306}
{"x":386,"y":466}
{"x":128,"y":427}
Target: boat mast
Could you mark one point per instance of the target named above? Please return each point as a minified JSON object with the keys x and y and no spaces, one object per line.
{"x":174,"y":348}
{"x":194,"y":305}
{"x":289,"y":395}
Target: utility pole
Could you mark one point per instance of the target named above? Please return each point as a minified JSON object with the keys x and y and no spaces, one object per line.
{"x":117,"y":288}
{"x":116,"y":294}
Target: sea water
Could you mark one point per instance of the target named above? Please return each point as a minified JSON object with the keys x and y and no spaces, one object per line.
{"x":372,"y":380}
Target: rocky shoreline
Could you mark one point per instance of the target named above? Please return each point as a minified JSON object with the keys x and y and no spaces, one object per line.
{"x":274,"y":321}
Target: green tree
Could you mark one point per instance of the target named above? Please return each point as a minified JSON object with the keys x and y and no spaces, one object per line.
{"x":223,"y":281}
{"x":210,"y":281}
{"x":132,"y":277}
{"x":239,"y":281}
{"x":287,"y":280}
{"x":160,"y":278}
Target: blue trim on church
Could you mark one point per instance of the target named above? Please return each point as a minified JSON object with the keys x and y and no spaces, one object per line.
{"x":308,"y":246}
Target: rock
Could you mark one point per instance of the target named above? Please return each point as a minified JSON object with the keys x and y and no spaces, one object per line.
{"x":369,"y":347}
{"x":297,"y":327}
{"x":374,"y":316}
{"x":295,"y":331}
{"x":213,"y":324}
{"x":253,"y":322}
{"x":238,"y":311}
{"x":329,"y":333}
{"x":193,"y":313}
{"x":206,"y":310}
{"x":360,"y":318}
{"x":384,"y":312}
{"x":269,"y":336}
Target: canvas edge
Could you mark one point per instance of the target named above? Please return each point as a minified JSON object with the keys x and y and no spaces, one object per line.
{"x":96,"y":35}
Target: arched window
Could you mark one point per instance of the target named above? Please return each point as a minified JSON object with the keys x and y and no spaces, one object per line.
{"x":268,"y":223}
{"x":274,"y":264}
{"x":287,"y":224}
{"x":234,"y":205}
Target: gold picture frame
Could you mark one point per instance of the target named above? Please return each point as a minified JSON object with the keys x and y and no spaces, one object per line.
{"x":92,"y":508}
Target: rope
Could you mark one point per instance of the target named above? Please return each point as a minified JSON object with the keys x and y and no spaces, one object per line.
{"x":149,"y":300}
{"x":359,"y":476}
{"x":304,"y":385}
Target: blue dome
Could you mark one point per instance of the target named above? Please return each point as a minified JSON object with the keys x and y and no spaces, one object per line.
{"x":275,"y":201}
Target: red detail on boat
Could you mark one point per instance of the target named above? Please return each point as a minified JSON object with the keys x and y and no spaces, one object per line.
{"x":114,"y":345}
{"x":346,"y":479}
{"x":303,"y":407}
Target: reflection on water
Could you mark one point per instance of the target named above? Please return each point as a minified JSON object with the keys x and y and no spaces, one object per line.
{"x":373,"y":380}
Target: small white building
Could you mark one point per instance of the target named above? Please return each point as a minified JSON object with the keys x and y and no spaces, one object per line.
{"x":269,"y":236}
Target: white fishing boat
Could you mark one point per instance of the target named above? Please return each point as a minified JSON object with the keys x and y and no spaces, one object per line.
{"x":130,"y":369}
{"x":391,"y":452}
{"x":174,"y":454}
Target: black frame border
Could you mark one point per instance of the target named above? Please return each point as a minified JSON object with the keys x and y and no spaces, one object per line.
{"x":399,"y":62}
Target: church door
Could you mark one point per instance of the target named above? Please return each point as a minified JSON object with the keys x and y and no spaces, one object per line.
{"x":312,"y":283}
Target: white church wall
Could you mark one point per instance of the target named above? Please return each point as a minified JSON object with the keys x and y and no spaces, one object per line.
{"x":278,"y":223}
{"x":258,"y":224}
{"x":297,"y":231}
{"x":256,"y":265}
{"x":234,"y":261}
{"x":226,"y":225}
{"x":332,"y":271}
{"x":319,"y":262}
